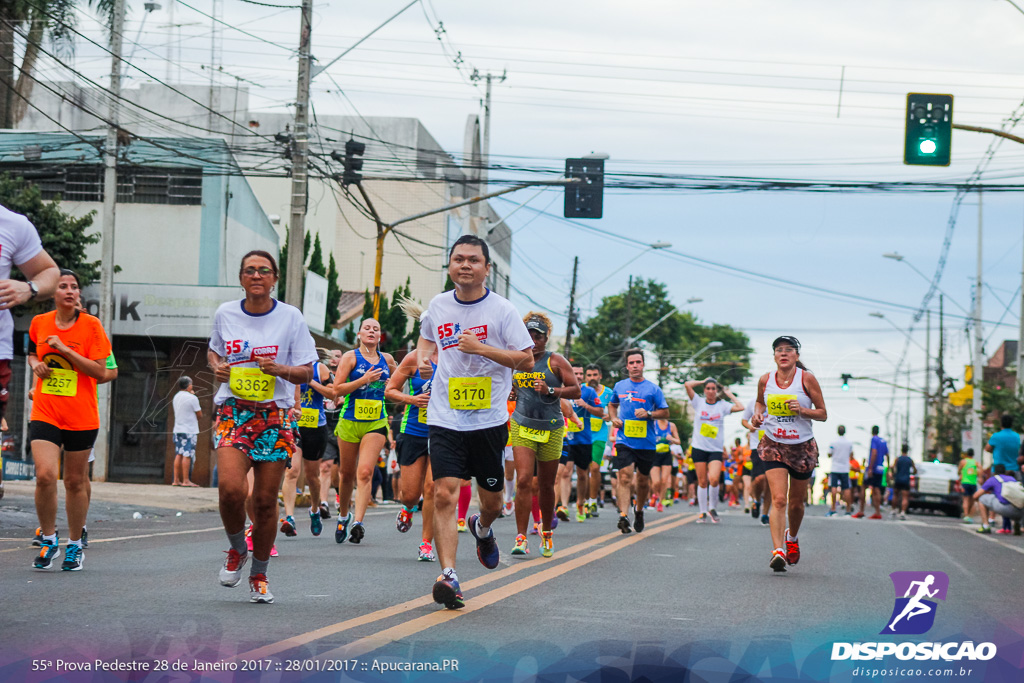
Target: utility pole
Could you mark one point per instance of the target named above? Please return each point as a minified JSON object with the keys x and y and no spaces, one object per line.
{"x":215,"y":48}
{"x":1020,"y":343}
{"x":485,"y":151}
{"x":927,"y":383}
{"x":629,"y":318}
{"x":572,"y":310}
{"x":100,"y":468}
{"x":906,"y":430}
{"x":976,"y":436}
{"x":300,"y":145}
{"x":940,"y":397}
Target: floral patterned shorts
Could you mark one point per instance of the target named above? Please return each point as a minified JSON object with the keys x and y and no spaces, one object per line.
{"x":799,"y":458}
{"x":260,"y":430}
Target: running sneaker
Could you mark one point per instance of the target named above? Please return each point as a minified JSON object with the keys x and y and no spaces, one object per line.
{"x":258,"y":590}
{"x":562,"y":513}
{"x":593,"y":510}
{"x":448,"y":593}
{"x":693,"y":502}
{"x":755,"y":509}
{"x":73,"y":558}
{"x":624,"y":525}
{"x":341,"y":531}
{"x":509,"y":509}
{"x":316,"y":522}
{"x":702,"y":518}
{"x":792,"y":550}
{"x":273,"y":550}
{"x":325,"y":511}
{"x":660,"y":507}
{"x":778,"y":561}
{"x":668,"y":502}
{"x":547,"y":544}
{"x":1003,"y":531}
{"x":903,"y":516}
{"x":521,"y":547}
{"x":47,"y":551}
{"x":535,"y":530}
{"x":581,"y":516}
{"x":830,"y":513}
{"x":248,"y":538}
{"x":486,"y":548}
{"x":426,"y":552}
{"x":462,"y":526}
{"x":404,"y":521}
{"x":357,"y":533}
{"x":37,"y":541}
{"x":231,"y":572}
{"x":638,"y":520}
{"x":288,"y":526}
{"x":857,"y":515}
{"x":982,"y":530}
{"x":877,"y":515}
{"x":85,"y":537}
{"x":554,"y":522}
{"x":764,"y":520}
{"x":713,"y":513}
{"x":967,"y":520}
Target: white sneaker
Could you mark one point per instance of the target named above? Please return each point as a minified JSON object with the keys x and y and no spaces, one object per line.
{"x":902,"y":516}
{"x":259,"y":590}
{"x":231,"y":572}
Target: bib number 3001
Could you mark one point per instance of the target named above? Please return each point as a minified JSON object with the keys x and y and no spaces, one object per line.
{"x":367,"y":409}
{"x":61,"y":382}
{"x":250,"y":384}
{"x":469,"y":393}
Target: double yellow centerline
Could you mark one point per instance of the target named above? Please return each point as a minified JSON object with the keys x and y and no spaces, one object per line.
{"x":614,"y":543}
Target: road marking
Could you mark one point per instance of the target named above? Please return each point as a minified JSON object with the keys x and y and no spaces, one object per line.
{"x":396,"y":610}
{"x":986,"y":537}
{"x":378,"y":640}
{"x":132,"y":538}
{"x":661,"y":555}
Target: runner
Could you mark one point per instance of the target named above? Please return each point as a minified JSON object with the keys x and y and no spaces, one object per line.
{"x":363,"y":426}
{"x":479,"y":339}
{"x":840,"y":452}
{"x":313,"y":437}
{"x":599,"y":436}
{"x":537,"y":430}
{"x":787,"y":449}
{"x":634,"y":407}
{"x":878,"y":462}
{"x":581,"y":446}
{"x":901,"y":471}
{"x":416,"y":480}
{"x":967,"y":470}
{"x":666,"y":435}
{"x":291,"y":473}
{"x":329,"y":461}
{"x":691,"y":477}
{"x":67,"y":354}
{"x":708,"y":441}
{"x":260,"y":349}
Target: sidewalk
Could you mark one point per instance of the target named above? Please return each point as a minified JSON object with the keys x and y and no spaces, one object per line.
{"x":162,"y":496}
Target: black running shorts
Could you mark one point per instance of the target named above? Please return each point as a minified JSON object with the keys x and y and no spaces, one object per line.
{"x":581,"y":455}
{"x":705,"y":456}
{"x":72,"y":441}
{"x":477,"y":454}
{"x":314,"y":442}
{"x":410,"y":449}
{"x":643,"y":459}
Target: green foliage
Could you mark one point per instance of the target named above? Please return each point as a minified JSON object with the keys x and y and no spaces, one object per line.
{"x":602,"y":338}
{"x":333,"y":293}
{"x":998,"y":400}
{"x":316,"y":259}
{"x":64,"y":237}
{"x":393,"y":320}
{"x":315,"y":264}
{"x":677,"y":415}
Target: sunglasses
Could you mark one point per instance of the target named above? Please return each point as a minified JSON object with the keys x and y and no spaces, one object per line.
{"x":262,"y":270}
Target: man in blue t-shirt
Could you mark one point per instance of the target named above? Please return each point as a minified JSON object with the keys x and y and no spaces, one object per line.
{"x":635,"y":404}
{"x":1004,"y":446}
{"x":901,"y":471}
{"x":581,"y":449}
{"x":878,"y":461}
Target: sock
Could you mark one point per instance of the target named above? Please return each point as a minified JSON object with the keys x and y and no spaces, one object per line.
{"x":237,"y":542}
{"x":790,"y":538}
{"x":702,"y":499}
{"x":78,"y":543}
{"x":449,"y":573}
{"x":52,"y":538}
{"x":481,"y":530}
{"x":780,"y":550}
{"x":510,"y":490}
{"x":259,"y":567}
{"x":535,"y":510}
{"x":712,"y":497}
{"x":465,"y":494}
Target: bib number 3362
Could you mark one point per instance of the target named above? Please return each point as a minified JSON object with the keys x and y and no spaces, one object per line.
{"x":251,"y":384}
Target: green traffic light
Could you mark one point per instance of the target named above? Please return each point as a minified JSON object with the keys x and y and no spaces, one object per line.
{"x":927,"y":146}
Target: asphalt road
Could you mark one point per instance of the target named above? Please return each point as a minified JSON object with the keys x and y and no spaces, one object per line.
{"x":680,"y":597}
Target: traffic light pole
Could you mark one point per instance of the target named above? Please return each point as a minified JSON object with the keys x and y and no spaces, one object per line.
{"x":572,"y":310}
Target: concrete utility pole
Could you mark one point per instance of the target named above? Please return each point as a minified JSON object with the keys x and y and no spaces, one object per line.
{"x":1020,"y":342}
{"x":927,"y":383}
{"x":485,"y":146}
{"x":572,"y":309}
{"x":101,"y":466}
{"x":300,"y":146}
{"x":977,"y":438}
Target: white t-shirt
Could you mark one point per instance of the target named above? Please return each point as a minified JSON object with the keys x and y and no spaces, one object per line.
{"x":186,"y":405}
{"x":19,"y":242}
{"x":709,"y":423}
{"x":496,"y":323}
{"x":753,"y":437}
{"x":840,"y":451}
{"x":280,"y":334}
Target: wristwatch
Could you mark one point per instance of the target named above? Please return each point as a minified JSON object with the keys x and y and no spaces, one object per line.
{"x":33,"y":289}
{"x":551,"y":391}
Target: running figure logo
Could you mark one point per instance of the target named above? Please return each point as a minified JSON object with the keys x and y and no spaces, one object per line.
{"x":914,"y":612}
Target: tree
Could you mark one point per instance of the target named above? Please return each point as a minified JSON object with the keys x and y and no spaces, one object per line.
{"x":64,"y":236}
{"x":333,"y":293}
{"x":675,"y":340}
{"x":282,"y":263}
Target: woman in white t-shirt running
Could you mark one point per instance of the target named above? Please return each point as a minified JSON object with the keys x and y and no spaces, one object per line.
{"x":708,"y":441}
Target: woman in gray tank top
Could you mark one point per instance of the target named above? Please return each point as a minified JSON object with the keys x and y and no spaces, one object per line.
{"x":536,"y":430}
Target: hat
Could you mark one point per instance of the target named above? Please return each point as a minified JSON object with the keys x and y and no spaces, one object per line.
{"x":537,"y":325}
{"x":787,"y":340}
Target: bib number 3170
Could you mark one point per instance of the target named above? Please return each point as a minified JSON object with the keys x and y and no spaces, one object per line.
{"x":469,"y":393}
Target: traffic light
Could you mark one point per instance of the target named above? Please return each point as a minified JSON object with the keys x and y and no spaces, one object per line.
{"x":846,"y":381}
{"x":584,"y":199}
{"x":929,"y":130}
{"x":351,"y":162}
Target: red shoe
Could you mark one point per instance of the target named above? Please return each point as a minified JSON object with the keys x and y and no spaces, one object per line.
{"x":857,"y":515}
{"x":778,"y":561}
{"x":875,"y":516}
{"x":792,"y":550}
{"x":660,"y":507}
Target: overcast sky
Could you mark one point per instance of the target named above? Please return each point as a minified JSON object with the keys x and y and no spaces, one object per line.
{"x":779,"y":90}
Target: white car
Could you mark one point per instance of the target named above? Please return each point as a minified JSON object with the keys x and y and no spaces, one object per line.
{"x":934,"y":487}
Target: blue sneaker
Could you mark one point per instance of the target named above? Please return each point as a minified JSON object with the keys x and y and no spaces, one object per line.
{"x":764,"y":520}
{"x":47,"y":552}
{"x":73,"y":557}
{"x":448,"y":593}
{"x":341,"y":532}
{"x":288,"y":526}
{"x":486,"y":548}
{"x":316,"y":524}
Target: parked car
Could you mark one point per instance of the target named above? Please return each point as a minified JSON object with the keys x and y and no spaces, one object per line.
{"x":935,"y":487}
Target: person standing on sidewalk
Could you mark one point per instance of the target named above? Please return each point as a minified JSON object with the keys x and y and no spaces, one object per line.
{"x":878,"y":461}
{"x":185,"y":432}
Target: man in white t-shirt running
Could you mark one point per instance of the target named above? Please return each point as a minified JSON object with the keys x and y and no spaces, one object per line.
{"x":186,"y":431}
{"x":479,"y":338}
{"x":840,"y":451}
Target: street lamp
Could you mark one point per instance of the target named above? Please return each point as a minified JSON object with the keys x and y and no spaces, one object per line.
{"x":881,"y":316}
{"x":694,"y":300}
{"x":896,"y":256}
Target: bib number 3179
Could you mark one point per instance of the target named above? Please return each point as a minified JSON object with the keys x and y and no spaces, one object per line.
{"x":469,"y":393}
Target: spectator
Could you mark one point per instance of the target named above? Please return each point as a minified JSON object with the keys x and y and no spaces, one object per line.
{"x":1004,"y":446}
{"x":968,"y":473}
{"x":902,"y":469}
{"x":186,"y":431}
{"x":991,"y":496}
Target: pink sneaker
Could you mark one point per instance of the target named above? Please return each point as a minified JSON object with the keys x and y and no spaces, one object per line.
{"x":248,"y":538}
{"x":273,"y":550}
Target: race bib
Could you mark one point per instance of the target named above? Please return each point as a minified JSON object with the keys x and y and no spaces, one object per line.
{"x":367,"y":409}
{"x":250,"y":384}
{"x":61,"y":382}
{"x":662,"y":448}
{"x":596,"y":424}
{"x":570,"y":426}
{"x":537,"y":435}
{"x":748,"y":465}
{"x":469,"y":393}
{"x":760,"y":435}
{"x":310,"y":417}
{"x":709,"y":430}
{"x":422,"y":417}
{"x":635,"y":429}
{"x":777,"y":404}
